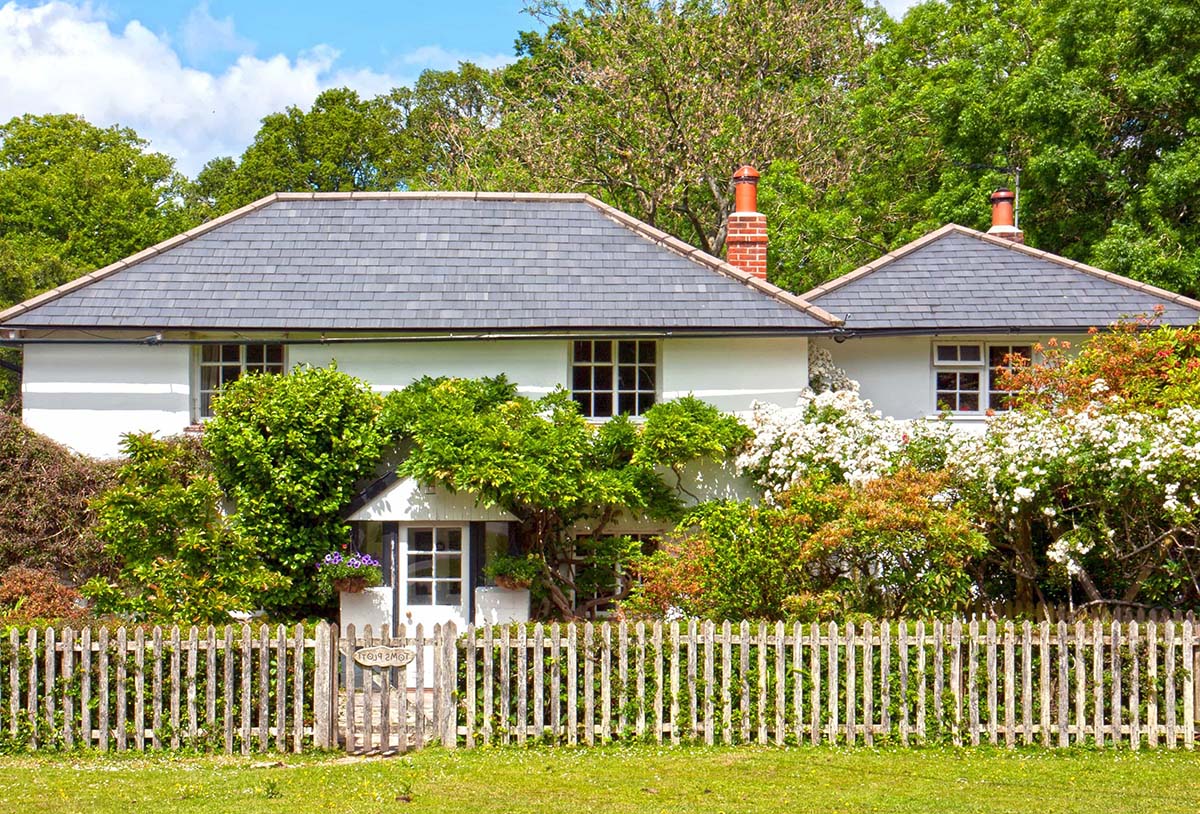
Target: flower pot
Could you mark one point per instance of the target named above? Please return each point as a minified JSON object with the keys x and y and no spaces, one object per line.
{"x":350,"y":585}
{"x":511,"y":583}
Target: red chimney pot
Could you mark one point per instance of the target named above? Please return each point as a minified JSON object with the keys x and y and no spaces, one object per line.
{"x":746,"y":243}
{"x":1003,"y":218}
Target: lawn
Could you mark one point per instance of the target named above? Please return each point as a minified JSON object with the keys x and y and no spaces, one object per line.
{"x":616,"y":779}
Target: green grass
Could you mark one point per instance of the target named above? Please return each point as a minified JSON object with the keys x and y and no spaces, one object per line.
{"x":616,"y":779}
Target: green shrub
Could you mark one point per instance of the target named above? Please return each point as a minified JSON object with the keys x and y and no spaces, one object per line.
{"x":181,"y":559}
{"x":288,"y":451}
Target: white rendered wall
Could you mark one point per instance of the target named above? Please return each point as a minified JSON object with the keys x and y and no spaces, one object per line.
{"x":732,"y":373}
{"x":896,"y":372}
{"x":87,"y":396}
{"x":535,"y":365}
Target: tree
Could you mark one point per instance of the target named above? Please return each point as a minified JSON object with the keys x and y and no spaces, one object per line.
{"x":652,"y":105}
{"x":81,"y":195}
{"x":1094,"y":100}
{"x":542,"y":462}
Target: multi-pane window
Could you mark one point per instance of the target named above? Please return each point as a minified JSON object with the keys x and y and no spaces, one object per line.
{"x":435,"y":566}
{"x":966,"y":375}
{"x":222,"y":363}
{"x":614,"y":376}
{"x":1001,"y":358}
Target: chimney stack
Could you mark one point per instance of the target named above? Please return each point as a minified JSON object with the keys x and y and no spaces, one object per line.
{"x":746,"y":242}
{"x":1003,"y":221}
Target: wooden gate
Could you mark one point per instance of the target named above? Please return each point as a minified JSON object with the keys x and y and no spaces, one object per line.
{"x":397,"y":691}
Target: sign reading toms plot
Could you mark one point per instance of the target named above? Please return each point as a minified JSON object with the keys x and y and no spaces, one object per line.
{"x":381,"y":656}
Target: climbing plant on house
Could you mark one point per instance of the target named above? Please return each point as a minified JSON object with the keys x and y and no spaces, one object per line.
{"x":288,"y":451}
{"x":542,"y":462}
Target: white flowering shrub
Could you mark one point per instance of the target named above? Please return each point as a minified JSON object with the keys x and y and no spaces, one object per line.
{"x":1111,"y":500}
{"x":1094,"y":505}
{"x":840,"y":435}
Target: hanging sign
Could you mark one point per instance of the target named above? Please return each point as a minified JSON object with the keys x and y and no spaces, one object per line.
{"x":382,"y":656}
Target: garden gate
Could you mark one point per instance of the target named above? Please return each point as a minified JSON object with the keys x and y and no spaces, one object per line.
{"x":397,"y":690}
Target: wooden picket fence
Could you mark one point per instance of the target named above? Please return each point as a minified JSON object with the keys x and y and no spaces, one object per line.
{"x":1053,"y":685}
{"x":240,"y":690}
{"x":233,"y":690}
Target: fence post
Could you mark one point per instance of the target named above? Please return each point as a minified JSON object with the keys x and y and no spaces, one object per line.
{"x":450,"y":684}
{"x":323,"y":688}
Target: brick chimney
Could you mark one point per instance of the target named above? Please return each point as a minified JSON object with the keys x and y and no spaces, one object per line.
{"x":1003,"y":221}
{"x":746,"y":243}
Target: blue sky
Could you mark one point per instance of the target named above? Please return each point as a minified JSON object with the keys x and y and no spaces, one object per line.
{"x":368,"y":33}
{"x":195,"y":77}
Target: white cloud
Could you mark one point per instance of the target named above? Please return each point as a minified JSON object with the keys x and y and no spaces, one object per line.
{"x":440,"y":59}
{"x":203,"y":34}
{"x":59,"y":57}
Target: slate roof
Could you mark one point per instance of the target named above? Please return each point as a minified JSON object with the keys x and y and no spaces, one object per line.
{"x":401,"y":262}
{"x":958,"y":279}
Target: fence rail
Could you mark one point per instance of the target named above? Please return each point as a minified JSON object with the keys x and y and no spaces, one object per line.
{"x":982,"y":682}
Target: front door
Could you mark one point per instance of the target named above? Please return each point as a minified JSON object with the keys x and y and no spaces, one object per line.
{"x":431,"y":575}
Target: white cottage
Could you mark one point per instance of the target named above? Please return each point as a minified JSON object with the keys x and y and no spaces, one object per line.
{"x":551,"y":290}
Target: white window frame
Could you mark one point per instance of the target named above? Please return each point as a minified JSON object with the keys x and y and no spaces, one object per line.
{"x":198,"y":363}
{"x":641,"y":536}
{"x":614,"y":365}
{"x":982,"y":367}
{"x":988,"y":390}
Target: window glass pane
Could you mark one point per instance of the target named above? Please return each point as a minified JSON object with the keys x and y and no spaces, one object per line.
{"x":946,"y":381}
{"x":646,"y":353}
{"x":420,"y":540}
{"x":449,"y":540}
{"x":968,"y":401}
{"x":946,"y":401}
{"x":583,"y":351}
{"x":584,"y":400}
{"x":645,"y":378}
{"x":230,"y":374}
{"x":581,"y":378}
{"x":602,"y":405}
{"x":449,"y":593}
{"x":210,"y":353}
{"x":602,"y":378}
{"x":996,"y":355}
{"x":231,"y":353}
{"x":627,"y":377}
{"x":448,"y":566}
{"x":254,"y":354}
{"x":998,"y":401}
{"x":969,"y":353}
{"x":602,"y":351}
{"x":420,"y":566}
{"x":645,"y":402}
{"x":947,"y":353}
{"x":275,"y":354}
{"x":627,"y":351}
{"x":210,"y":378}
{"x":205,"y":405}
{"x":627,"y":403}
{"x":968,"y":381}
{"x":1023,"y":350}
{"x":420,"y":593}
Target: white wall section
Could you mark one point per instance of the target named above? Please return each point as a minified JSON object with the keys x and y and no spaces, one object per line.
{"x":88,"y":396}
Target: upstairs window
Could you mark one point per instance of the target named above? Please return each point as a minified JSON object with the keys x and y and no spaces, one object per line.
{"x":614,"y":376}
{"x":220,"y":364}
{"x":966,"y":375}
